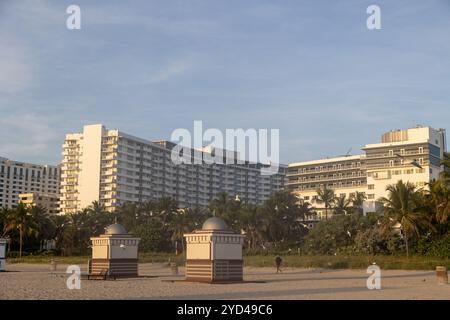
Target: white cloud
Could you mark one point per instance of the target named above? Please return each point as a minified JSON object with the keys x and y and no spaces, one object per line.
{"x":172,"y":69}
{"x":25,"y":135}
{"x":16,"y":71}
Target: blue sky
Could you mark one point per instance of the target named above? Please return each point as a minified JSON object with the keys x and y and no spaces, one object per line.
{"x":309,"y":68}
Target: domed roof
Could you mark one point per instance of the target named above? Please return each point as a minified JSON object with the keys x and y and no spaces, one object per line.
{"x":214,"y":223}
{"x":116,"y":228}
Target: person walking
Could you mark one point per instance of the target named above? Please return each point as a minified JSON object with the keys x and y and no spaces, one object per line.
{"x":278,"y":263}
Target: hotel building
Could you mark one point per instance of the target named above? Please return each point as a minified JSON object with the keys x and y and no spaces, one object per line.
{"x":345,"y":175}
{"x":113,"y":167}
{"x":49,"y":202}
{"x":412,"y":155}
{"x":18,"y":177}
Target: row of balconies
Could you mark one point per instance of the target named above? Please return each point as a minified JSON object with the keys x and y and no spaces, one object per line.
{"x":293,"y":172}
{"x":394,"y":153}
{"x":325,"y":179}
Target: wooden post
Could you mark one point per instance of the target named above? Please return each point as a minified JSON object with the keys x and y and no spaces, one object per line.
{"x":174,"y":267}
{"x":89,"y":266}
{"x":53,"y":265}
{"x":441,"y":275}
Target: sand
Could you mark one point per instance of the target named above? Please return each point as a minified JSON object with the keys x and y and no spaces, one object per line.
{"x":34,"y":281}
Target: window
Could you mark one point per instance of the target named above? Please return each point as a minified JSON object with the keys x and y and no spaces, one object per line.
{"x":391,"y":163}
{"x":391,"y":153}
{"x":420,"y":160}
{"x":370,"y":186}
{"x":420,"y":150}
{"x":402,"y":151}
{"x":370,"y":196}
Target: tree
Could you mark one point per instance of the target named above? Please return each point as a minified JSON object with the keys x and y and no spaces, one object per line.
{"x":254,"y":223}
{"x":305,"y":209}
{"x":445,"y":175}
{"x":20,"y":219}
{"x":226,"y":207}
{"x":438,"y":200}
{"x":401,"y":209}
{"x":358,"y":201}
{"x":342,"y":205}
{"x":166,"y":208}
{"x":325,"y":196}
{"x":128,"y":214}
{"x":184,"y":221}
{"x":220,"y":204}
{"x":328,"y":237}
{"x":283,"y":217}
{"x":44,"y":225}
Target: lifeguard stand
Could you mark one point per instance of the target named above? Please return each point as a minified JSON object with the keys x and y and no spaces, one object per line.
{"x":3,"y":244}
{"x":214,"y":253}
{"x":115,"y":252}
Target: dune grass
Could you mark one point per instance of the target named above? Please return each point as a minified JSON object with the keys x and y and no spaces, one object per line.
{"x":297,"y":261}
{"x":350,"y":262}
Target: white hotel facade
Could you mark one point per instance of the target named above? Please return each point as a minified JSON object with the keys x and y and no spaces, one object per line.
{"x":412,"y":155}
{"x":20,"y":178}
{"x":113,"y":167}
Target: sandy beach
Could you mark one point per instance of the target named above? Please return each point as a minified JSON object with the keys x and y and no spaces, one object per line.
{"x":36,"y":281}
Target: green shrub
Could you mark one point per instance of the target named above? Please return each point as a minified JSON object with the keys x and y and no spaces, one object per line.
{"x":435,"y":246}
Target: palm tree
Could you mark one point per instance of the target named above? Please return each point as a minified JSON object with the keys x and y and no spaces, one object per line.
{"x":306,"y":210}
{"x":220,"y":204}
{"x":96,"y":208}
{"x":97,"y":218}
{"x":325,"y":196}
{"x":178,"y":227}
{"x":166,"y":209}
{"x":341,"y":205}
{"x":446,"y":163}
{"x":128,"y":214}
{"x":20,"y":219}
{"x":358,"y":201}
{"x":226,"y":207}
{"x":254,"y":223}
{"x":401,"y":209}
{"x":438,"y":198}
{"x":283,"y":216}
{"x":44,"y":224}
